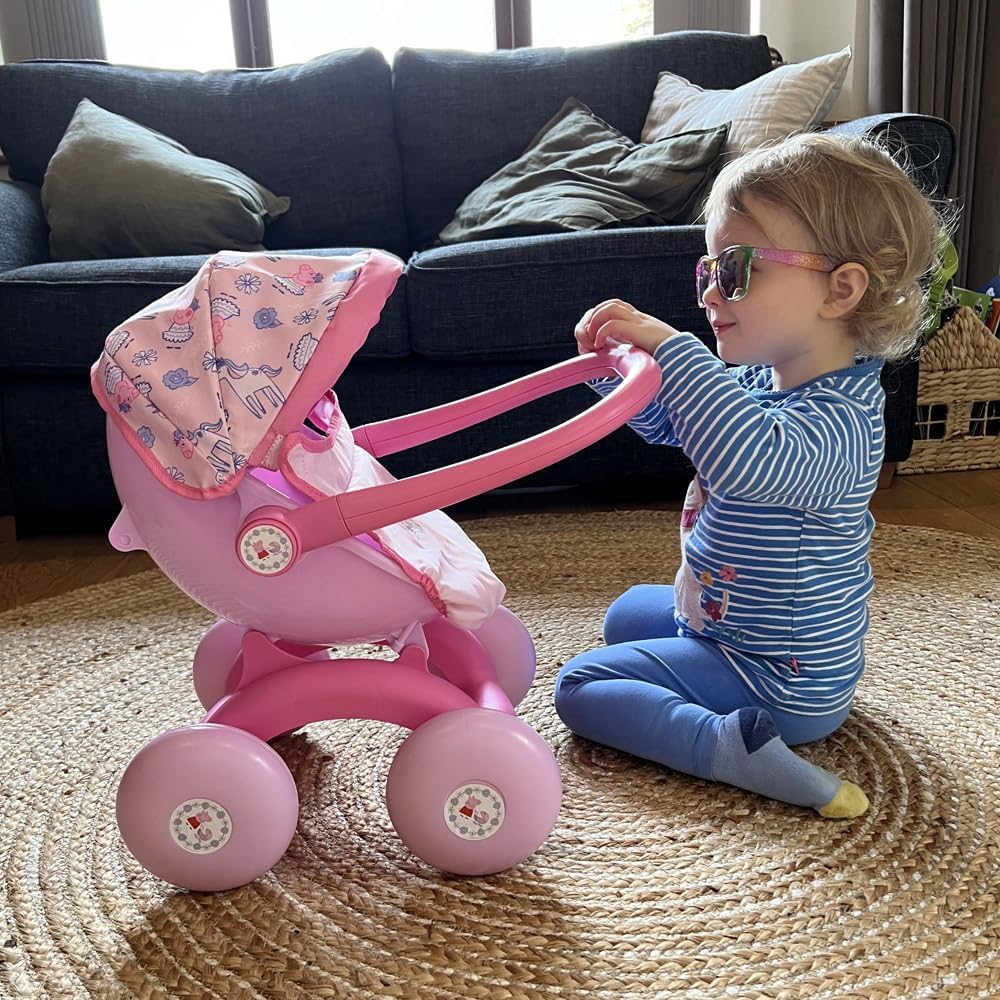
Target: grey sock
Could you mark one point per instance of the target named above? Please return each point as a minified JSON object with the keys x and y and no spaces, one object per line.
{"x":751,"y":754}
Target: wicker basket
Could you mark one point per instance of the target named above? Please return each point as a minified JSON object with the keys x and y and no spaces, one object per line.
{"x":958,"y":399}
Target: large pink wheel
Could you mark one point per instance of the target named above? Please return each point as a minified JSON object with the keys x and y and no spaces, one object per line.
{"x":512,"y":651}
{"x":473,"y":791}
{"x":207,"y":807}
{"x":214,"y":660}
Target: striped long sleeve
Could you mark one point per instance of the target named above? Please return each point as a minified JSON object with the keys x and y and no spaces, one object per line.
{"x":807,"y":453}
{"x":776,"y":563}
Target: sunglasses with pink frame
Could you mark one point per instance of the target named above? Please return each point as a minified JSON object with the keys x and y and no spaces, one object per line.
{"x":730,"y":269}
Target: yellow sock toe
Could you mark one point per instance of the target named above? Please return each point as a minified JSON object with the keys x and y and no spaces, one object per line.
{"x":849,"y":802}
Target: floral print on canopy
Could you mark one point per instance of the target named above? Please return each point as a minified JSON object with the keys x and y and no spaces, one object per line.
{"x":196,"y":380}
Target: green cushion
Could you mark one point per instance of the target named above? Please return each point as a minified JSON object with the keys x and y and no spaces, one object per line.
{"x":579,"y":172}
{"x":115,"y":188}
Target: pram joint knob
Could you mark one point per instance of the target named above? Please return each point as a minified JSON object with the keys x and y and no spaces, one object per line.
{"x":268,"y":544}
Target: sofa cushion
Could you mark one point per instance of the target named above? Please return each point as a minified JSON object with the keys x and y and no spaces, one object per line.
{"x":460,"y":116}
{"x":83,"y":301}
{"x":793,"y":97}
{"x":500,"y":299}
{"x":114,"y":188}
{"x":320,"y":133}
{"x":581,"y":173}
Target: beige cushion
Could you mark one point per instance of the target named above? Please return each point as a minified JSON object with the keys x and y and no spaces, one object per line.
{"x":115,"y":188}
{"x":786,"y":100}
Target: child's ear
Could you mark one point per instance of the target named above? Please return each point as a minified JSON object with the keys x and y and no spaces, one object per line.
{"x":848,"y":284}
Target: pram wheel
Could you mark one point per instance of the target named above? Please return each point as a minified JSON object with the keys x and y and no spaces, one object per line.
{"x":473,"y":791}
{"x":512,"y":651}
{"x":214,"y":660}
{"x":207,"y":807}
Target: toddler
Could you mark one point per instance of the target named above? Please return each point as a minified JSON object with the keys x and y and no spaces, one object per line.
{"x":816,"y":248}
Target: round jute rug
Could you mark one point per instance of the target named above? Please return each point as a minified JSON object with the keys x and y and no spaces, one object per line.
{"x":652,"y":884}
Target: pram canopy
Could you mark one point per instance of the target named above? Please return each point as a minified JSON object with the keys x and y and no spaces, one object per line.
{"x":208,"y":381}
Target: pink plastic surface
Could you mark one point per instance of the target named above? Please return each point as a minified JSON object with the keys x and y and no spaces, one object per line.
{"x":343,"y":589}
{"x":464,"y":662}
{"x":322,"y":522}
{"x":214,"y":660}
{"x":312,"y":691}
{"x":226,"y":766}
{"x":474,"y":746}
{"x":192,"y":543}
{"x":510,"y":649}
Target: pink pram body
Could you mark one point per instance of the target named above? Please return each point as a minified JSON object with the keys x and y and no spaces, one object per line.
{"x":240,"y":475}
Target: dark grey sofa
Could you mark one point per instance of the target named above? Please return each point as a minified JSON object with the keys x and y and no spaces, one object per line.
{"x":371,"y":155}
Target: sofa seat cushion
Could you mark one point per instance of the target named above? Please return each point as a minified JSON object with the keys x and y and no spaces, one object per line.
{"x":320,"y":133}
{"x":460,"y":116}
{"x":70,"y":307}
{"x":496,"y":300}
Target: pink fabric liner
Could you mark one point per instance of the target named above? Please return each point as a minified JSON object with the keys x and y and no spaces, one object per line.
{"x":304,"y":486}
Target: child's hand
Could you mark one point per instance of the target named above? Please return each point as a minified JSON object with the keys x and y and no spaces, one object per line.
{"x":616,"y":322}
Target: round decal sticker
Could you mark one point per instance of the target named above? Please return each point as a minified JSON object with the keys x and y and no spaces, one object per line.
{"x":200,"y":826}
{"x":266,"y":549}
{"x":474,"y":811}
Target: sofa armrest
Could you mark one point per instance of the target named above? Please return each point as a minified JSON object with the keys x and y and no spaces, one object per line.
{"x":24,"y":235}
{"x":924,"y":144}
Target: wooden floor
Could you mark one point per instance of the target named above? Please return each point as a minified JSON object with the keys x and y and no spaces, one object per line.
{"x":35,"y":568}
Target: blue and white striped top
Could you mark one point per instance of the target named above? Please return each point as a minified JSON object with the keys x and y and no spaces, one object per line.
{"x":779,"y":551}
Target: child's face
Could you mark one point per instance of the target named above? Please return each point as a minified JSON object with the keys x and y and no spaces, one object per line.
{"x":778,"y":322}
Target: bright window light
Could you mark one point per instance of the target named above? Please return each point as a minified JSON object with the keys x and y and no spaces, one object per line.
{"x":184,"y":34}
{"x":571,"y":23}
{"x":303,"y":29}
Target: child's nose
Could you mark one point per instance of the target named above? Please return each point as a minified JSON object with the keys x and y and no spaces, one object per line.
{"x":711,"y":296}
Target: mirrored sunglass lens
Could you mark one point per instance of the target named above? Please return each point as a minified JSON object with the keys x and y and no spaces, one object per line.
{"x":702,"y":274}
{"x":732,"y":269}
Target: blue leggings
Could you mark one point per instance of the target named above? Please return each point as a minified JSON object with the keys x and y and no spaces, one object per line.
{"x":663,"y":698}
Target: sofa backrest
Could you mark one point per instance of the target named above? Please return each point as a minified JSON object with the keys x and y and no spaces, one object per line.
{"x":320,"y":132}
{"x":461,"y":116}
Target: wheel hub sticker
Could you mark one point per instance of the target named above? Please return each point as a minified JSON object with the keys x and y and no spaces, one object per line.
{"x":200,"y":826}
{"x":266,"y":549}
{"x":474,"y":811}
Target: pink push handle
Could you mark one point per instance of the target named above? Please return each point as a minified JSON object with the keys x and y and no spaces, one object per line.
{"x":359,"y":511}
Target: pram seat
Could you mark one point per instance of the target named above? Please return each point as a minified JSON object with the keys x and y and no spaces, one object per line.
{"x":429,"y":547}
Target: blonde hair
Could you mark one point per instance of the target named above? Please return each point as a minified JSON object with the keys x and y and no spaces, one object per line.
{"x":860,"y":205}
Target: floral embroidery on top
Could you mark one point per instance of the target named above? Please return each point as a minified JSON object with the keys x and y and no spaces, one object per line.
{"x":728,"y":574}
{"x":706,"y":578}
{"x":714,"y":610}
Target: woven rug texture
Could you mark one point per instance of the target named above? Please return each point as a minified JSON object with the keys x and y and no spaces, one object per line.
{"x":652,"y":884}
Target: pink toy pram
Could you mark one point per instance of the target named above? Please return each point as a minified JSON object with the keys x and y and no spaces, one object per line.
{"x":239,"y":474}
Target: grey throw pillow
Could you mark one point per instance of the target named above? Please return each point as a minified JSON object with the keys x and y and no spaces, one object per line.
{"x":579,"y":172}
{"x":115,"y":188}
